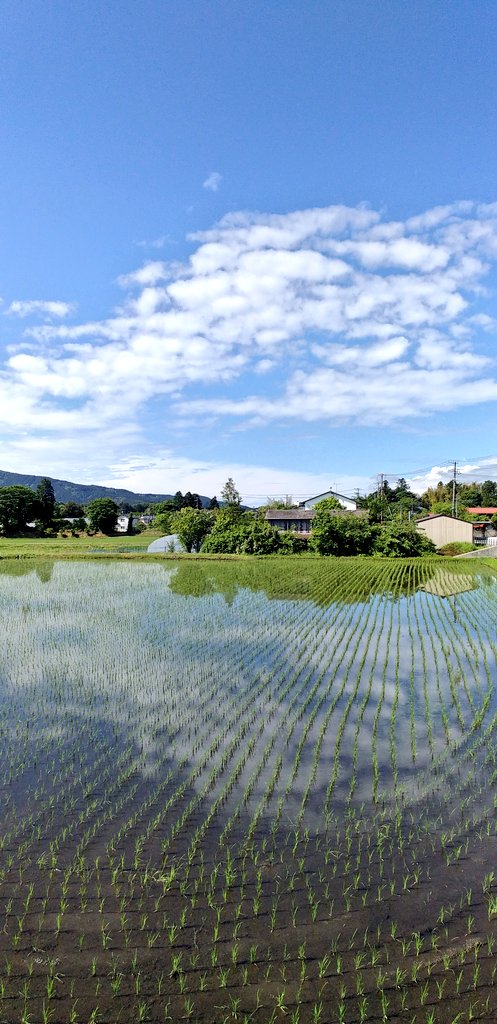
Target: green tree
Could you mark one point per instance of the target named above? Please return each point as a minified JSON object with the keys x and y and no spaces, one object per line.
{"x":164,"y":507}
{"x":162,"y":522}
{"x":400,"y":540}
{"x":18,"y":505}
{"x":488,"y":493}
{"x":290,"y":544}
{"x":224,"y":541}
{"x":192,"y":500}
{"x":445,"y":508}
{"x":192,"y":526}
{"x":71,"y":510}
{"x":260,"y":538}
{"x":228,"y":532}
{"x":280,"y":503}
{"x":103,"y":513}
{"x":341,"y":535}
{"x":78,"y":525}
{"x":330,"y":504}
{"x":213,"y":503}
{"x":230,"y":495}
{"x":378,"y":509}
{"x":442,"y":492}
{"x":45,"y":502}
{"x":470,"y":494}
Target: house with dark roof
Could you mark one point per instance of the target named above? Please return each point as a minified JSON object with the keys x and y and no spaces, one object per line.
{"x":299,"y":520}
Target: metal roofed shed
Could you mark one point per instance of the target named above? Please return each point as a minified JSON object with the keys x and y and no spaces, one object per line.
{"x":443,"y":529}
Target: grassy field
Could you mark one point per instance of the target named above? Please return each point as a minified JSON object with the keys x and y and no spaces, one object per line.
{"x":75,"y":547}
{"x":99,"y":546}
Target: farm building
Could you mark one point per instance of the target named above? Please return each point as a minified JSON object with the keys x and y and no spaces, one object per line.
{"x":443,"y":529}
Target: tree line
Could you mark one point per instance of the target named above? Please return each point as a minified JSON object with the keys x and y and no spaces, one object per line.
{"x":226,"y":527}
{"x":23,"y":509}
{"x":230,"y":530}
{"x":398,"y":502}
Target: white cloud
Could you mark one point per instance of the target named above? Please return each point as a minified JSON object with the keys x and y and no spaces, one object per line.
{"x":342,"y":316}
{"x":36,"y":307}
{"x":406,"y":253}
{"x":213,"y":181}
{"x":362,"y":394}
{"x":149,"y":274}
{"x":155,"y":243}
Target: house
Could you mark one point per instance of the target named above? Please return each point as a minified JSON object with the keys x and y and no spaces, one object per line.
{"x":483,"y":512}
{"x":348,"y":503}
{"x":443,"y":529}
{"x":299,"y":520}
{"x":484,"y":533}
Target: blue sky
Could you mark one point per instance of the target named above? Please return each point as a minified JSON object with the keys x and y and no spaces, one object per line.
{"x":255,"y":240}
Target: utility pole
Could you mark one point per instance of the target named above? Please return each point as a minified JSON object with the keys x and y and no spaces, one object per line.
{"x":379,"y":492}
{"x":454,"y":491}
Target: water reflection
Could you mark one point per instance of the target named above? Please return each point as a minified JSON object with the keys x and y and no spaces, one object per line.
{"x":24,"y":567}
{"x":323,"y":580}
{"x":304,"y":703}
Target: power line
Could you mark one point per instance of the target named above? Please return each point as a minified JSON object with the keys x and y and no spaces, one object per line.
{"x":446,"y":467}
{"x":448,"y":462}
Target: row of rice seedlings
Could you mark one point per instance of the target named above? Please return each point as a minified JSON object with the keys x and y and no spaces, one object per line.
{"x":313,"y":702}
{"x":279,"y":701}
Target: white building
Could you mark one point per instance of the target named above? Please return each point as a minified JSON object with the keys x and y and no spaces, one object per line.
{"x":348,"y":503}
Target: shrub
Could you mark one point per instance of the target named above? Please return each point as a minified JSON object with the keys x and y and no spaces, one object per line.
{"x":341,"y":535}
{"x":456,"y":547}
{"x":400,"y":540}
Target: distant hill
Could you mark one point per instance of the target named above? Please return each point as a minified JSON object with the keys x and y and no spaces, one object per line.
{"x":65,"y":490}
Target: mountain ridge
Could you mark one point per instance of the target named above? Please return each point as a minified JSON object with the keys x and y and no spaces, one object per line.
{"x":67,"y":490}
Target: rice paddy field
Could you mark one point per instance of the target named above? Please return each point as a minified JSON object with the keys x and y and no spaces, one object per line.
{"x":248,"y":791}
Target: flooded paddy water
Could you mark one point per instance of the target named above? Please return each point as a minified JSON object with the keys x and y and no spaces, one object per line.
{"x":248,"y":791}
